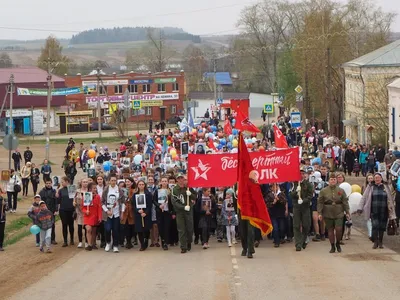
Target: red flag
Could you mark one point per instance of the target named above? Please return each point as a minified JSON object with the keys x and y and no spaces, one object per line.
{"x":250,"y":200}
{"x":227,"y":127}
{"x":280,"y":139}
{"x":211,"y":144}
{"x":243,"y":123}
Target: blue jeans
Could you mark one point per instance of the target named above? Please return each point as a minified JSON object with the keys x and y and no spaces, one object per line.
{"x":278,"y":232}
{"x":364,"y":169}
{"x":112,"y":225}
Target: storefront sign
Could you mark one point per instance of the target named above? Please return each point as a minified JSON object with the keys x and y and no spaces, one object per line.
{"x":120,"y":98}
{"x":54,"y":92}
{"x":164,"y":80}
{"x":141,"y":81}
{"x":19,"y":113}
{"x":105,"y":82}
{"x":152,"y":103}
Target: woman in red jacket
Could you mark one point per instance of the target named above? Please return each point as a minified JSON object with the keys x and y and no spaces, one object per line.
{"x":92,"y":217}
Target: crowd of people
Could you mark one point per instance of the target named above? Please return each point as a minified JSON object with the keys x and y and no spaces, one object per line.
{"x":137,"y":194}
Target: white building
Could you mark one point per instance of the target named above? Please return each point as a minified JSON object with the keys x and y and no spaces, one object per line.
{"x":394,"y":113}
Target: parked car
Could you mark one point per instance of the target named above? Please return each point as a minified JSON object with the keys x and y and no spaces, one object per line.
{"x":104,"y":126}
{"x":174,"y":120}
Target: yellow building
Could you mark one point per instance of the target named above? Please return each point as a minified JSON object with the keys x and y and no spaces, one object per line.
{"x":366,"y":101}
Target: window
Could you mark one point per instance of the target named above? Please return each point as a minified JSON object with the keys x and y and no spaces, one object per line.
{"x":146,"y":88}
{"x":148,"y":111}
{"x":173,"y":109}
{"x":133,"y":88}
{"x":175,"y":86}
{"x":118,"y":89}
{"x":161,"y":87}
{"x":102,"y":90}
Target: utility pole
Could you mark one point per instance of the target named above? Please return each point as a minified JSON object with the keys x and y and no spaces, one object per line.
{"x":306,"y":100}
{"x":98,"y":102}
{"x":215,"y":80}
{"x":11,"y":121}
{"x":49,"y":96}
{"x":329,"y":92}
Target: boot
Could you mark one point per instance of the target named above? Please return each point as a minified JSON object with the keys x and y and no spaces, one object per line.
{"x":338,"y":248}
{"x":375,"y":239}
{"x":333,"y":249}
{"x":380,"y":243}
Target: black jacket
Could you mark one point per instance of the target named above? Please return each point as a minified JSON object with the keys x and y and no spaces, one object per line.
{"x":138,"y":218}
{"x":28,"y":155}
{"x":49,"y":196}
{"x":3,"y":211}
{"x":65,"y":202}
{"x":17,"y":156}
{"x":71,"y":171}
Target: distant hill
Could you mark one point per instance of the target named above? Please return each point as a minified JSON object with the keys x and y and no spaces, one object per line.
{"x":129,"y":34}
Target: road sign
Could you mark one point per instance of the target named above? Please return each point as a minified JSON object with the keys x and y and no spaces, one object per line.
{"x":10,"y":142}
{"x":220,"y":101}
{"x":295,"y":117}
{"x":137,"y":104}
{"x":299,"y":98}
{"x":298,"y":89}
{"x":269,"y":108}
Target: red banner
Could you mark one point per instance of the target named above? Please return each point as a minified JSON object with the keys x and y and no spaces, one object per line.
{"x":213,"y":170}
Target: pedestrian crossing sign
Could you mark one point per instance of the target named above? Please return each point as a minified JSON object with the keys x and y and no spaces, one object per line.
{"x":269,"y":108}
{"x":136,"y":104}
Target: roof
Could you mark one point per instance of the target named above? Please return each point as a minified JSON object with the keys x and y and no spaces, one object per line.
{"x":26,"y":75}
{"x":395,"y":84}
{"x":388,"y":56}
{"x":222,"y":78}
{"x":210,"y":95}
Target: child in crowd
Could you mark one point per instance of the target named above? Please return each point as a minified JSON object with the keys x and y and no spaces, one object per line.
{"x":229,"y":217}
{"x":357,"y":167}
{"x":32,"y":213}
{"x":45,"y":221}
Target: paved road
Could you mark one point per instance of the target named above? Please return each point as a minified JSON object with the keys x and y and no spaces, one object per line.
{"x":220,"y":273}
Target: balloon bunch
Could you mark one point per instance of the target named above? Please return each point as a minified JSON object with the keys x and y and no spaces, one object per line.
{"x":353,"y":192}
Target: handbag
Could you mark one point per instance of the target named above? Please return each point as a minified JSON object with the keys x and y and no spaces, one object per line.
{"x":391,"y":228}
{"x":17,"y":187}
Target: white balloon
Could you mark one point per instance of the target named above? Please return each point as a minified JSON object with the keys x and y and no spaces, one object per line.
{"x":317,"y":175}
{"x":137,"y":159}
{"x":346,"y":187}
{"x":354,"y":201}
{"x":254,"y":140}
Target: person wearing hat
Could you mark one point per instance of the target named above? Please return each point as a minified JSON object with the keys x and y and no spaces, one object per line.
{"x":332,"y":203}
{"x":183,"y":200}
{"x":301,"y":197}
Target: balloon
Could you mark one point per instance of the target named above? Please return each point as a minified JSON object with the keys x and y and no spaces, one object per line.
{"x":234,"y":131}
{"x":172,"y":152}
{"x":254,"y":140}
{"x":34,"y":229}
{"x":211,"y":136}
{"x":229,"y":145}
{"x":235,"y":143}
{"x":230,"y":137}
{"x":354,"y":201}
{"x":317,"y":174}
{"x":158,"y":147}
{"x":168,"y":142}
{"x":261,"y":148}
{"x":355,"y":188}
{"x":91,"y":153}
{"x":346,"y":187}
{"x":316,"y":160}
{"x":222,"y":142}
{"x":137,"y":159}
{"x":249,"y":146}
{"x":194,"y":130}
{"x":347,"y":141}
{"x":207,"y":134}
{"x":158,"y":140}
{"x":176,"y":157}
{"x":233,"y":121}
{"x":107,"y":166}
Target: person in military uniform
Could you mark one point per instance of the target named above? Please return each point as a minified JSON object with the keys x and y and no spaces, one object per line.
{"x":246,"y":237}
{"x":332,"y":203}
{"x":184,"y":213}
{"x":301,"y":197}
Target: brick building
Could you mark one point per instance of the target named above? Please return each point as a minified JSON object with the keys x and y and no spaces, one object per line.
{"x":159,"y":95}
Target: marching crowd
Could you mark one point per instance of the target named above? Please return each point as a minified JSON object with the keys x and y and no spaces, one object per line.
{"x":137,"y":195}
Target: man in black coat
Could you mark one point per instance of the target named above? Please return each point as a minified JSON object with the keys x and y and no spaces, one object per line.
{"x":17,"y":160}
{"x":28,"y":155}
{"x":380,"y":153}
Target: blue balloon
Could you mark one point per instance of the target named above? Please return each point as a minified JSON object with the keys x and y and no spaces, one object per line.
{"x":229,"y":145}
{"x":235,"y":131}
{"x":200,"y":130}
{"x":347,"y":141}
{"x":222,"y":142}
{"x":377,"y":164}
{"x":34,"y":229}
{"x":219,"y":147}
{"x":107,"y":166}
{"x":316,"y":160}
{"x":231,"y":137}
{"x":211,"y":136}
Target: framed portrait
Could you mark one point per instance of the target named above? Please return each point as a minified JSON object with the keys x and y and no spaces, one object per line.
{"x":140,"y":200}
{"x":382,"y":168}
{"x":56,"y":182}
{"x":114,"y":155}
{"x":119,"y":181}
{"x":395,"y":169}
{"x":184,"y":149}
{"x":125,"y":162}
{"x":71,"y":191}
{"x":126,"y":193}
{"x":206,"y":204}
{"x":157,"y":159}
{"x":200,"y":148}
{"x":229,"y":205}
{"x":87,"y":199}
{"x":171,"y":186}
{"x":162,"y":196}
{"x":144,"y":178}
{"x":5,"y":175}
{"x":111,"y":201}
{"x":91,"y":172}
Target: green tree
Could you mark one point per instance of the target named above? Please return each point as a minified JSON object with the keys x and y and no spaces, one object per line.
{"x":51,"y":57}
{"x":5,"y":61}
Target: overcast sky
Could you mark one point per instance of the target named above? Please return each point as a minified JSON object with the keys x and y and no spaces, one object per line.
{"x":63,"y":20}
